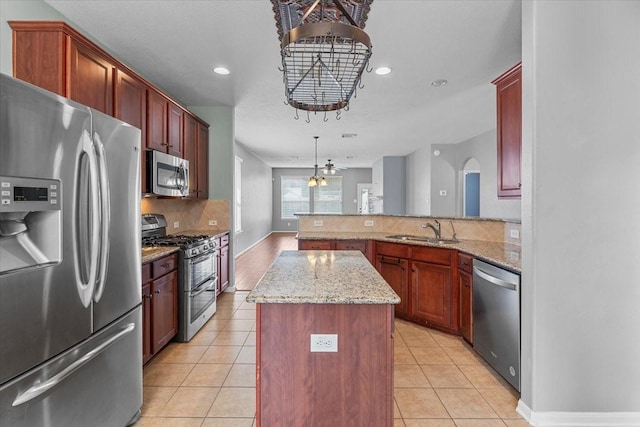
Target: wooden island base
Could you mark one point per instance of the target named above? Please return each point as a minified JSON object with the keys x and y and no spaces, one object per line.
{"x":350,"y":387}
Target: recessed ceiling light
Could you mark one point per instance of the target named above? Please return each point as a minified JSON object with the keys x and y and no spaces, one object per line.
{"x":439,"y":82}
{"x":221,"y":70}
{"x":383,"y":71}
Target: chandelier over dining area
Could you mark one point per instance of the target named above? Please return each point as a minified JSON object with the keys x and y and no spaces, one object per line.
{"x":324,"y":51}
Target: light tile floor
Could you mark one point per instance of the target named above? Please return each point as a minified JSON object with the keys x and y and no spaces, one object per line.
{"x":210,"y":382}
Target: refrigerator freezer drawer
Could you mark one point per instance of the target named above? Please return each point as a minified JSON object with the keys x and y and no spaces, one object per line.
{"x":98,"y":382}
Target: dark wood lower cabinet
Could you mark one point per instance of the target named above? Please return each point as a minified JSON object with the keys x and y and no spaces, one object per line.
{"x":164,"y":307}
{"x":159,"y":305}
{"x":364,"y":246}
{"x":431,"y":293}
{"x":223,"y":264}
{"x":466,"y":305}
{"x":146,"y":323}
{"x":396,"y":272}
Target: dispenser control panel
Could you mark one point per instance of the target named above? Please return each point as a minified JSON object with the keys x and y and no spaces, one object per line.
{"x":18,"y":194}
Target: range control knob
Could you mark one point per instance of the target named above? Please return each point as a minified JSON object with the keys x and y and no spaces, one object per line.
{"x":194,"y":251}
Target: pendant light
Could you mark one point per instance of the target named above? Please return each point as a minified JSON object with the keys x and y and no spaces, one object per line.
{"x":315,"y":180}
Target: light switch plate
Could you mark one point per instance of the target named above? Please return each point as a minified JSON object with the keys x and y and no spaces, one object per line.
{"x":515,"y":234}
{"x":368,"y":223}
{"x":176,"y":224}
{"x":317,"y":223}
{"x":443,"y":192}
{"x":213,"y":222}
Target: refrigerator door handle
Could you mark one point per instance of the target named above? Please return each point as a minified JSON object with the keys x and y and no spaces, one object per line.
{"x":86,"y":290}
{"x":105,"y":209}
{"x":40,"y":388}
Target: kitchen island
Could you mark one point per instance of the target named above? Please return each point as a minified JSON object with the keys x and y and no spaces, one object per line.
{"x":345,"y":375}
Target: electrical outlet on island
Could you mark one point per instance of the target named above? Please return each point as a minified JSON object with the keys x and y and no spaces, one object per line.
{"x":324,"y":343}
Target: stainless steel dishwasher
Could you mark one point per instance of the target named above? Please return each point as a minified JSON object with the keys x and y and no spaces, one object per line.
{"x":496,"y":319}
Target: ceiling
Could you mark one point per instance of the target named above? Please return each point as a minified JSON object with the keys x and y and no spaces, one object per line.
{"x":176,"y":43}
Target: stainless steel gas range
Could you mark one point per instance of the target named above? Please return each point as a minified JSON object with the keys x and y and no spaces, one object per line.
{"x":197,"y":270}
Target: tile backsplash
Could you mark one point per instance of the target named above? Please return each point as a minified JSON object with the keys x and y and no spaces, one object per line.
{"x":466,"y":229}
{"x":190,"y":214}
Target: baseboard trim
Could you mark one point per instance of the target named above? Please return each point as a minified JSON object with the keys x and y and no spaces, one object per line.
{"x":255,"y":243}
{"x":578,"y":419}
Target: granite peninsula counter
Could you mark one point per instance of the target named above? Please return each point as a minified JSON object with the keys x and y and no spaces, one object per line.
{"x":324,"y":335}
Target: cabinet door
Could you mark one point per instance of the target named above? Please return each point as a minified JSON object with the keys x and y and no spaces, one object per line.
{"x":90,"y":78}
{"x":509,"y":127}
{"x":164,"y":310}
{"x":431,"y":293}
{"x":174,"y":130}
{"x":191,"y":152}
{"x":130,"y":106}
{"x":396,"y":272}
{"x":39,"y":57}
{"x":203,"y":161}
{"x":466,"y":305}
{"x":323,"y":245}
{"x":146,"y":322}
{"x":156,"y":121}
{"x":224,"y":268}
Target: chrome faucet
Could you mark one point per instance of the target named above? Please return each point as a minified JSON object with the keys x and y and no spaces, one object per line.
{"x":435,"y":228}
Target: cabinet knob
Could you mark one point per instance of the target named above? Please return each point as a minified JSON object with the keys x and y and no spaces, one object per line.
{"x":157,"y":292}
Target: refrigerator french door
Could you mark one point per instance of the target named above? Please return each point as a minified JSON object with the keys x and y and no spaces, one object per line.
{"x":70,"y":291}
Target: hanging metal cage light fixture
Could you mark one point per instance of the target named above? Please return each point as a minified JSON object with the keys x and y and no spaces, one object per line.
{"x":324,"y":51}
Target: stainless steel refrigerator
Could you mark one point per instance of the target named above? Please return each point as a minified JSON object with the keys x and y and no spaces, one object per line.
{"x":70,"y":291}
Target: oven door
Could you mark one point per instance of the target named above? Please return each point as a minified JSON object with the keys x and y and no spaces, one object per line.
{"x":201,"y":298}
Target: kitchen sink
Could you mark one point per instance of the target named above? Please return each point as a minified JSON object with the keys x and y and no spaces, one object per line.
{"x":421,"y":238}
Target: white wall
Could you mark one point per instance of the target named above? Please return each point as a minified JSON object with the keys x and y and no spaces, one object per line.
{"x":20,"y":10}
{"x":418,"y":180}
{"x":256,"y":200}
{"x":581,"y":211}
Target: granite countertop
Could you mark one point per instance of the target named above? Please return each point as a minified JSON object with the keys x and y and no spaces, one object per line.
{"x":501,"y":254}
{"x":152,"y":253}
{"x":322,"y":277}
{"x":207,"y":232}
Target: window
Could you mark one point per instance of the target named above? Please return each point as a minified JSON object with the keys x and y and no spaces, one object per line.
{"x":295,"y":196}
{"x":238,"y":195}
{"x":328,"y":198}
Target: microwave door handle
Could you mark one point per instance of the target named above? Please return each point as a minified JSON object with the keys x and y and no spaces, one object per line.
{"x":105,"y":216}
{"x":183,"y":177}
{"x":85,"y":290}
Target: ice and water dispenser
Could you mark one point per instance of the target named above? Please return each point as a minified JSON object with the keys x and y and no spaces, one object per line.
{"x":30,"y":223}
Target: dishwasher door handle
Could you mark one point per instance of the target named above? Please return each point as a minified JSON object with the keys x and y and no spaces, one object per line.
{"x":494,"y":280}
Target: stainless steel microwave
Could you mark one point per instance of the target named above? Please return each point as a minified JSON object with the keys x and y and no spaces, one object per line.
{"x":167,"y":175}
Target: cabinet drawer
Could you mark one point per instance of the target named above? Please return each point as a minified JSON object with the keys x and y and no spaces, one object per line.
{"x":351,"y":245}
{"x":164,"y":265}
{"x":224,"y":240}
{"x":465,"y":262}
{"x":432,"y":255}
{"x":146,"y":273}
{"x":392,"y":249}
{"x":323,"y":245}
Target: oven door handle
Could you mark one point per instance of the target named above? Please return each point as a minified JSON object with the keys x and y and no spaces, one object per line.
{"x":206,"y":286}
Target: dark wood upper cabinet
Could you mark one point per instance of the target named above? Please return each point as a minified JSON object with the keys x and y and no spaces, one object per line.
{"x":203,"y":161}
{"x":191,"y":153}
{"x":156,"y":121}
{"x":90,"y":78}
{"x":174,"y":129}
{"x":509,"y":128}
{"x":130,"y":106}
